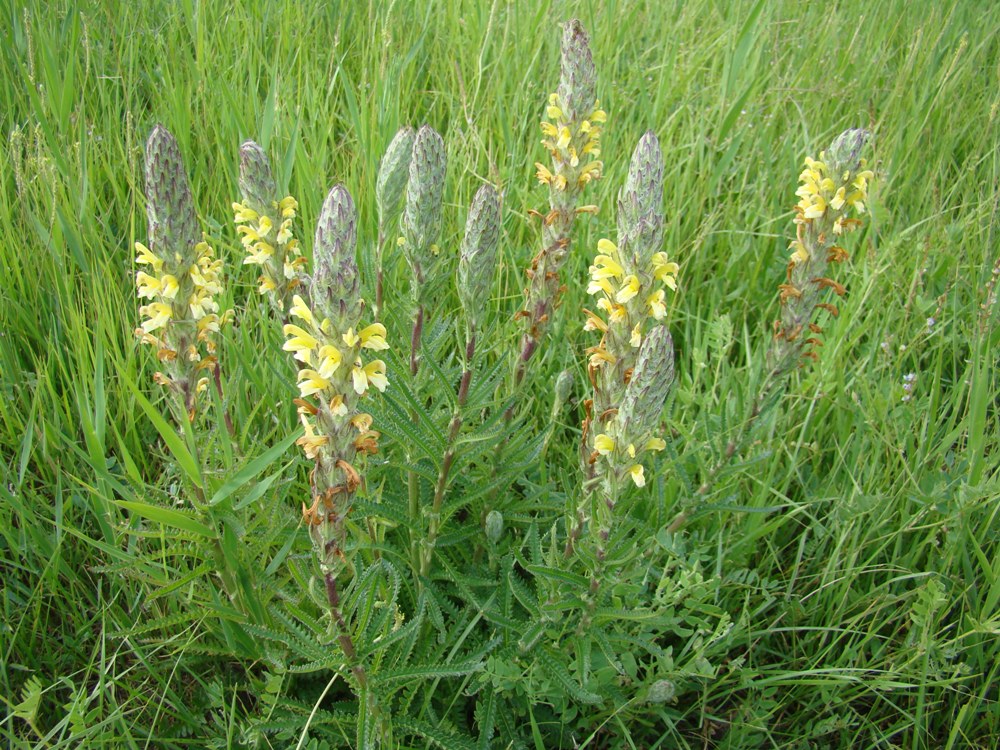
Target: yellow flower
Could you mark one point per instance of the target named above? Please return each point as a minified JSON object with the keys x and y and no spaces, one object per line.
{"x":371,"y":374}
{"x":801,"y":255}
{"x":549,"y":130}
{"x":635,"y":340}
{"x":284,"y":232}
{"x":600,"y":285}
{"x":564,"y":139}
{"x":657,"y":305}
{"x":598,"y":115}
{"x":260,"y":254}
{"x":300,"y":309}
{"x":158,"y":314}
{"x":242,"y":213}
{"x":638,"y":475}
{"x":599,"y":355}
{"x":266,"y":285}
{"x":311,"y":382}
{"x":288,"y":206}
{"x":630,"y":288}
{"x":616,"y":313}
{"x":329,"y":360}
{"x":553,"y":112}
{"x":665,"y":271}
{"x":605,"y":268}
{"x":543,"y":174}
{"x":311,"y":442}
{"x":604,"y":444}
{"x":264,"y":226}
{"x":373,"y":337}
{"x":146,"y":257}
{"x":300,"y":341}
{"x":148,"y":286}
{"x":350,"y":338}
{"x":655,"y":444}
{"x":594,"y":323}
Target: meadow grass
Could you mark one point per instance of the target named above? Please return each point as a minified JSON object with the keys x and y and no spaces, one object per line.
{"x":854,"y":541}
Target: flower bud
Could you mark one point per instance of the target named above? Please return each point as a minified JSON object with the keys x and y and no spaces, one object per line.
{"x":424,"y":193}
{"x":478,"y":260}
{"x":844,"y":154}
{"x":564,"y":386}
{"x":173,"y":224}
{"x":647,"y":390}
{"x":392,"y":176}
{"x":578,"y":79}
{"x":335,"y":286}
{"x":256,"y":180}
{"x":661,"y":691}
{"x":494,"y":526}
{"x":640,"y":203}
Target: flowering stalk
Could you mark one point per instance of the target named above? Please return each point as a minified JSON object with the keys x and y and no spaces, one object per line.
{"x":333,"y":377}
{"x":831,"y":187}
{"x":181,"y":280}
{"x":389,"y":189}
{"x":629,"y":281}
{"x":628,"y":434}
{"x":264,"y":221}
{"x":477,"y":264}
{"x":572,"y":137}
{"x":421,"y":223}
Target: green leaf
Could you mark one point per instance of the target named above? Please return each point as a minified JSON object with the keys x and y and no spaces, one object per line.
{"x":253,"y":468}
{"x":168,"y":517}
{"x":184,"y":458}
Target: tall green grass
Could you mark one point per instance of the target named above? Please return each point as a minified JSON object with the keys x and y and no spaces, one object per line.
{"x":857,"y":541}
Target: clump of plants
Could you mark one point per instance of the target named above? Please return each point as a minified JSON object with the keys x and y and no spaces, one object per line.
{"x":437,"y":581}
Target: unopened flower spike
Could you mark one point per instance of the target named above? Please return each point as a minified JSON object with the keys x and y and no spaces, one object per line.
{"x":265,"y":222}
{"x":478,"y":259}
{"x":180,"y":279}
{"x":421,"y":223}
{"x":338,"y":354}
{"x":393,"y":174}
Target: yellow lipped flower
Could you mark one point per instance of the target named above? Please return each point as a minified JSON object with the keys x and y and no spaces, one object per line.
{"x":300,"y":342}
{"x":147,"y":257}
{"x":655,"y":444}
{"x":300,"y":309}
{"x":635,"y":340}
{"x":657,"y":304}
{"x":371,"y":374}
{"x":638,"y":475}
{"x":311,"y":382}
{"x":158,"y":314}
{"x":373,"y":337}
{"x":287,"y":206}
{"x":630,"y":288}
{"x":604,"y":444}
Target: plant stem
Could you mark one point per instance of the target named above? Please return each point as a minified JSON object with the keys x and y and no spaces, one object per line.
{"x":449,"y":456}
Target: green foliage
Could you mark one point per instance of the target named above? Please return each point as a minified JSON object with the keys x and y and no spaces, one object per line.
{"x":826,"y":577}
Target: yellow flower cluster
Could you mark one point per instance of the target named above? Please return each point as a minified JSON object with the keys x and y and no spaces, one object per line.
{"x":571,"y":144}
{"x":821,"y":195}
{"x":180,"y":296}
{"x":333,"y":368}
{"x":606,"y":445}
{"x":627,"y":296}
{"x":268,"y":241}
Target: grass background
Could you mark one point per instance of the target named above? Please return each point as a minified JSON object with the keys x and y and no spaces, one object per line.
{"x":871,"y":521}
